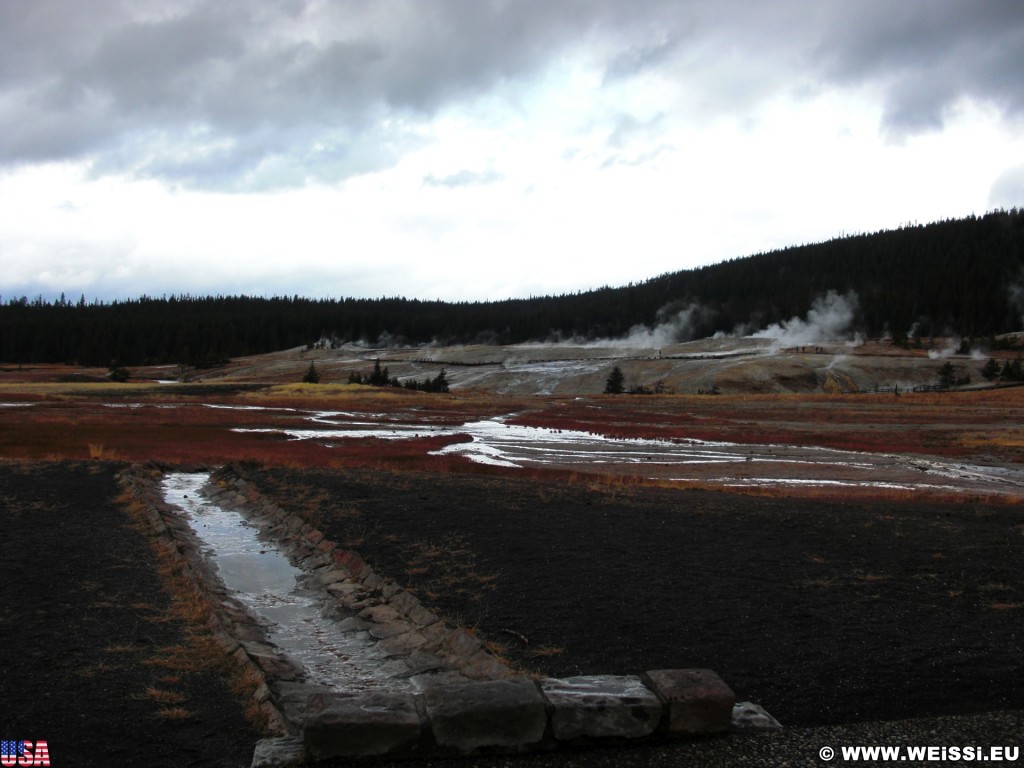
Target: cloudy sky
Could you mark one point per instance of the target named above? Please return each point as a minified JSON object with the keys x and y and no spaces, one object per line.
{"x":481,"y":149}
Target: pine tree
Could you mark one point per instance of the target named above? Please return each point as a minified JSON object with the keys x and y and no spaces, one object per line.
{"x":378,"y":377}
{"x":991,"y":370}
{"x":118,"y":372}
{"x":947,"y":376}
{"x":312,"y":374}
{"x":616,"y":383}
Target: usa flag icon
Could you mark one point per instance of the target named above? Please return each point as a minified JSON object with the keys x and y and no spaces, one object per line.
{"x":21,"y":752}
{"x":12,"y":748}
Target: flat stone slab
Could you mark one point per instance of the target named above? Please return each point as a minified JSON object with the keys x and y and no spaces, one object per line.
{"x":749,"y":716}
{"x":504,"y":715}
{"x":361,"y":725}
{"x":279,"y":752}
{"x":696,"y":700}
{"x":601,"y":706}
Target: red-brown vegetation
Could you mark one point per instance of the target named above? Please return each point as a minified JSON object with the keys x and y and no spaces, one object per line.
{"x":199,"y":425}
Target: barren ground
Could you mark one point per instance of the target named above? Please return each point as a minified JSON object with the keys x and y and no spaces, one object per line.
{"x":826,"y":603}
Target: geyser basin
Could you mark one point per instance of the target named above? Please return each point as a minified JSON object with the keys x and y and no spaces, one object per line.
{"x":260,"y":576}
{"x":500,"y":443}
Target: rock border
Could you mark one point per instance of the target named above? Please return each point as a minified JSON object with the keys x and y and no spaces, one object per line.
{"x":464,"y":701}
{"x":403,"y":630}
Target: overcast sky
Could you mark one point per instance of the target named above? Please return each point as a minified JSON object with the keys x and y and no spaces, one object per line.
{"x":482,"y":149}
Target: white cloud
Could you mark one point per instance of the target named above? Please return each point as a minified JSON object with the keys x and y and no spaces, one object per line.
{"x":469,"y":150}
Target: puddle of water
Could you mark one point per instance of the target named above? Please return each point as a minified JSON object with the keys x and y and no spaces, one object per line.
{"x":498,"y":443}
{"x":222,"y":407}
{"x":781,"y":482}
{"x":262,"y":578}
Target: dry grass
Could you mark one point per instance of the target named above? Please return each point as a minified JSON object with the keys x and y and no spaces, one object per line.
{"x":546,"y":651}
{"x":498,"y":650}
{"x":95,"y":670}
{"x":996,"y":587}
{"x":174,"y":713}
{"x":198,"y":652}
{"x":100,"y":452}
{"x":871,"y":578}
{"x":121,"y":648}
{"x":184,"y":658}
{"x":164,"y":696}
{"x":72,"y":421}
{"x":447,"y":566}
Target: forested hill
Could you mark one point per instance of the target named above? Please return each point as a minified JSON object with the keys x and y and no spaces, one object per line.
{"x":963,"y":277}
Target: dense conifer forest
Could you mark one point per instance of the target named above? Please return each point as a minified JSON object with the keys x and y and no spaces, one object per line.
{"x":962,"y":277}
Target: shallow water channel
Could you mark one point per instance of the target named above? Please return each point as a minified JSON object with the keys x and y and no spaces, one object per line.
{"x":276,"y":592}
{"x":501,"y":443}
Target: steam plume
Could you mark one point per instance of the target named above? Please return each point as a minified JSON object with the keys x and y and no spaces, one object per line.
{"x":678,"y":327}
{"x":829,"y":319}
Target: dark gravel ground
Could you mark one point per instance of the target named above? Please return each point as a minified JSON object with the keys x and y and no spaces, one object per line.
{"x":84,"y":619}
{"x":833,"y":616}
{"x":824,"y":613}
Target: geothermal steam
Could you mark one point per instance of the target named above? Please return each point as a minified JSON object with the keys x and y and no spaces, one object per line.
{"x":829,"y":319}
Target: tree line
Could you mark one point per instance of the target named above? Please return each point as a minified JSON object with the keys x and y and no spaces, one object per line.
{"x":381,"y":377}
{"x":960,"y":276}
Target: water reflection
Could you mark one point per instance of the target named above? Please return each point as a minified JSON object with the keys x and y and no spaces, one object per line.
{"x":273,"y":590}
{"x":499,"y":443}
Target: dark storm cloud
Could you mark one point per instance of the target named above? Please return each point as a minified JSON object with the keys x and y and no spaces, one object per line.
{"x":927,"y":55}
{"x":638,"y":59}
{"x":223,"y":87}
{"x":254,"y":94}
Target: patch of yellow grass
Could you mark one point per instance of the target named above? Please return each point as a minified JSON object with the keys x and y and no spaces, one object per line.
{"x":181,"y":658}
{"x":301,"y":389}
{"x":995,"y":438}
{"x":100,"y":452}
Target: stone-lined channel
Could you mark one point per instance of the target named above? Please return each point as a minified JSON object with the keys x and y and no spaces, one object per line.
{"x":346,"y":663}
{"x":261,"y":577}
